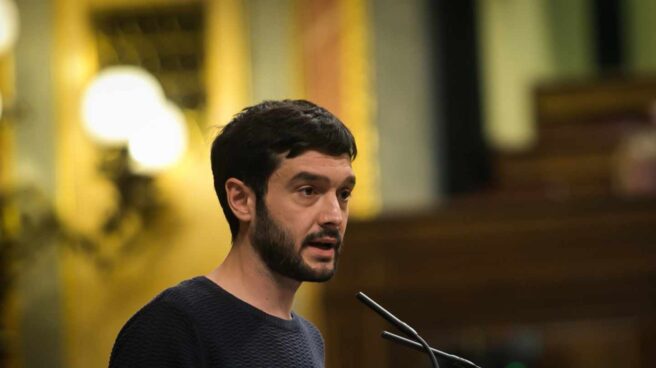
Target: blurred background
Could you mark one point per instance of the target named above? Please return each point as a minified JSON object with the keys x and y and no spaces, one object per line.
{"x":506,"y":199}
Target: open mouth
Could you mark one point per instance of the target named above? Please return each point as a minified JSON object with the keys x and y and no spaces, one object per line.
{"x":326,"y":245}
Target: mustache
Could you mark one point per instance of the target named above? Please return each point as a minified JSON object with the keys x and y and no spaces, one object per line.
{"x":324,"y":233}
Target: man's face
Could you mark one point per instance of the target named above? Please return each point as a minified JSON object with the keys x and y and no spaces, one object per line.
{"x":301,"y":221}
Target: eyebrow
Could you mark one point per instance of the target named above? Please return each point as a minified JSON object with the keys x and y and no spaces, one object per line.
{"x":308,"y":176}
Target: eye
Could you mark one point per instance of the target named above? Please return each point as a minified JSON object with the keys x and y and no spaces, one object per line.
{"x":307,"y":191}
{"x":345,"y":194}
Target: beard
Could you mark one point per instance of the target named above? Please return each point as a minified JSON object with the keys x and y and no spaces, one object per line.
{"x":276,"y":247}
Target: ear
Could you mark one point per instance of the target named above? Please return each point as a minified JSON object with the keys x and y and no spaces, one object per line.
{"x":241,"y":199}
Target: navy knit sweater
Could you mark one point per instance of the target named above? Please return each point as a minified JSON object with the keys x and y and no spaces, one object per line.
{"x":198,"y":324}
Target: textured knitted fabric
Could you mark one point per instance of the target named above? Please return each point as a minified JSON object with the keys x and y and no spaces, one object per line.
{"x":198,"y":324}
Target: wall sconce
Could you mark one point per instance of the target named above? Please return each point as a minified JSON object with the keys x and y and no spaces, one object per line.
{"x":8,"y":25}
{"x":124,"y":111}
{"x":124,"y":106}
{"x":8,"y":30}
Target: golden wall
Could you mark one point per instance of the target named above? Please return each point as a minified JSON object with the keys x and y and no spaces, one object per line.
{"x":192,"y":237}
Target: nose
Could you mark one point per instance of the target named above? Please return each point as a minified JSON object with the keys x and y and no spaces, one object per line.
{"x":331,"y":212}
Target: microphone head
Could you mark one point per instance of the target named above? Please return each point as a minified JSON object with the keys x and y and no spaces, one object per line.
{"x":404,"y":327}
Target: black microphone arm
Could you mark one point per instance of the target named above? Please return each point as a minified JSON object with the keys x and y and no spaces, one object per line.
{"x":417,"y":346}
{"x":399,"y":324}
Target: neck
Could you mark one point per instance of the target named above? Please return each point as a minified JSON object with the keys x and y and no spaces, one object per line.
{"x":244,"y":275}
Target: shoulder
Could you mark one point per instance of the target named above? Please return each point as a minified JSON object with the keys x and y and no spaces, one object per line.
{"x":186,"y":294}
{"x":311,"y":330}
{"x":176,"y":304}
{"x":160,"y":332}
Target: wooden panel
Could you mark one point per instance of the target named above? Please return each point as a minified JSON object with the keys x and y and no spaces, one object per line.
{"x":498,"y":264}
{"x":581,"y":127}
{"x":594,"y":100}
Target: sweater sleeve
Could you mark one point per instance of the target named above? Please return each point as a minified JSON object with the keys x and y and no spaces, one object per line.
{"x":159,"y":335}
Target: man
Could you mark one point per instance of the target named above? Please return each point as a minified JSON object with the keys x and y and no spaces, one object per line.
{"x":282,"y":173}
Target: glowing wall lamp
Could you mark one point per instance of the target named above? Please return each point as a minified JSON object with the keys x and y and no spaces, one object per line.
{"x":160,"y":141}
{"x":8,"y":25}
{"x":125,"y":111}
{"x":125,"y":106}
{"x":8,"y":30}
{"x":117,"y":101}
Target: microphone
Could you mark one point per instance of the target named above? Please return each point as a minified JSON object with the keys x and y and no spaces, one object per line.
{"x":398,"y":323}
{"x":385,"y":314}
{"x":417,"y":346}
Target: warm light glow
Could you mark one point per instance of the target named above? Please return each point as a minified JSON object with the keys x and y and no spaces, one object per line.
{"x":0,"y":106}
{"x":119,"y":100}
{"x":161,"y":141}
{"x":8,"y":25}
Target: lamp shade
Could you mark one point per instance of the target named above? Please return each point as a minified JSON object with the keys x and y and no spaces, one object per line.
{"x":161,"y":141}
{"x":118,"y":101}
{"x":8,"y":25}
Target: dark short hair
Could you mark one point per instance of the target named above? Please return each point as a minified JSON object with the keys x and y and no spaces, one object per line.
{"x":249,"y":147}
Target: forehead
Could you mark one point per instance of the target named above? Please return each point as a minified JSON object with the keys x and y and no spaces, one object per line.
{"x":337,"y":168}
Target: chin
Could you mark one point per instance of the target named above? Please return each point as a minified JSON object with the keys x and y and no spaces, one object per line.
{"x":322,"y":273}
{"x":320,"y":277}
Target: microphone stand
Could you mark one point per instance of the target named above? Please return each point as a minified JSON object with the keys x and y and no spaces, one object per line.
{"x":417,"y":346}
{"x":422,"y":345}
{"x":404,"y":327}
